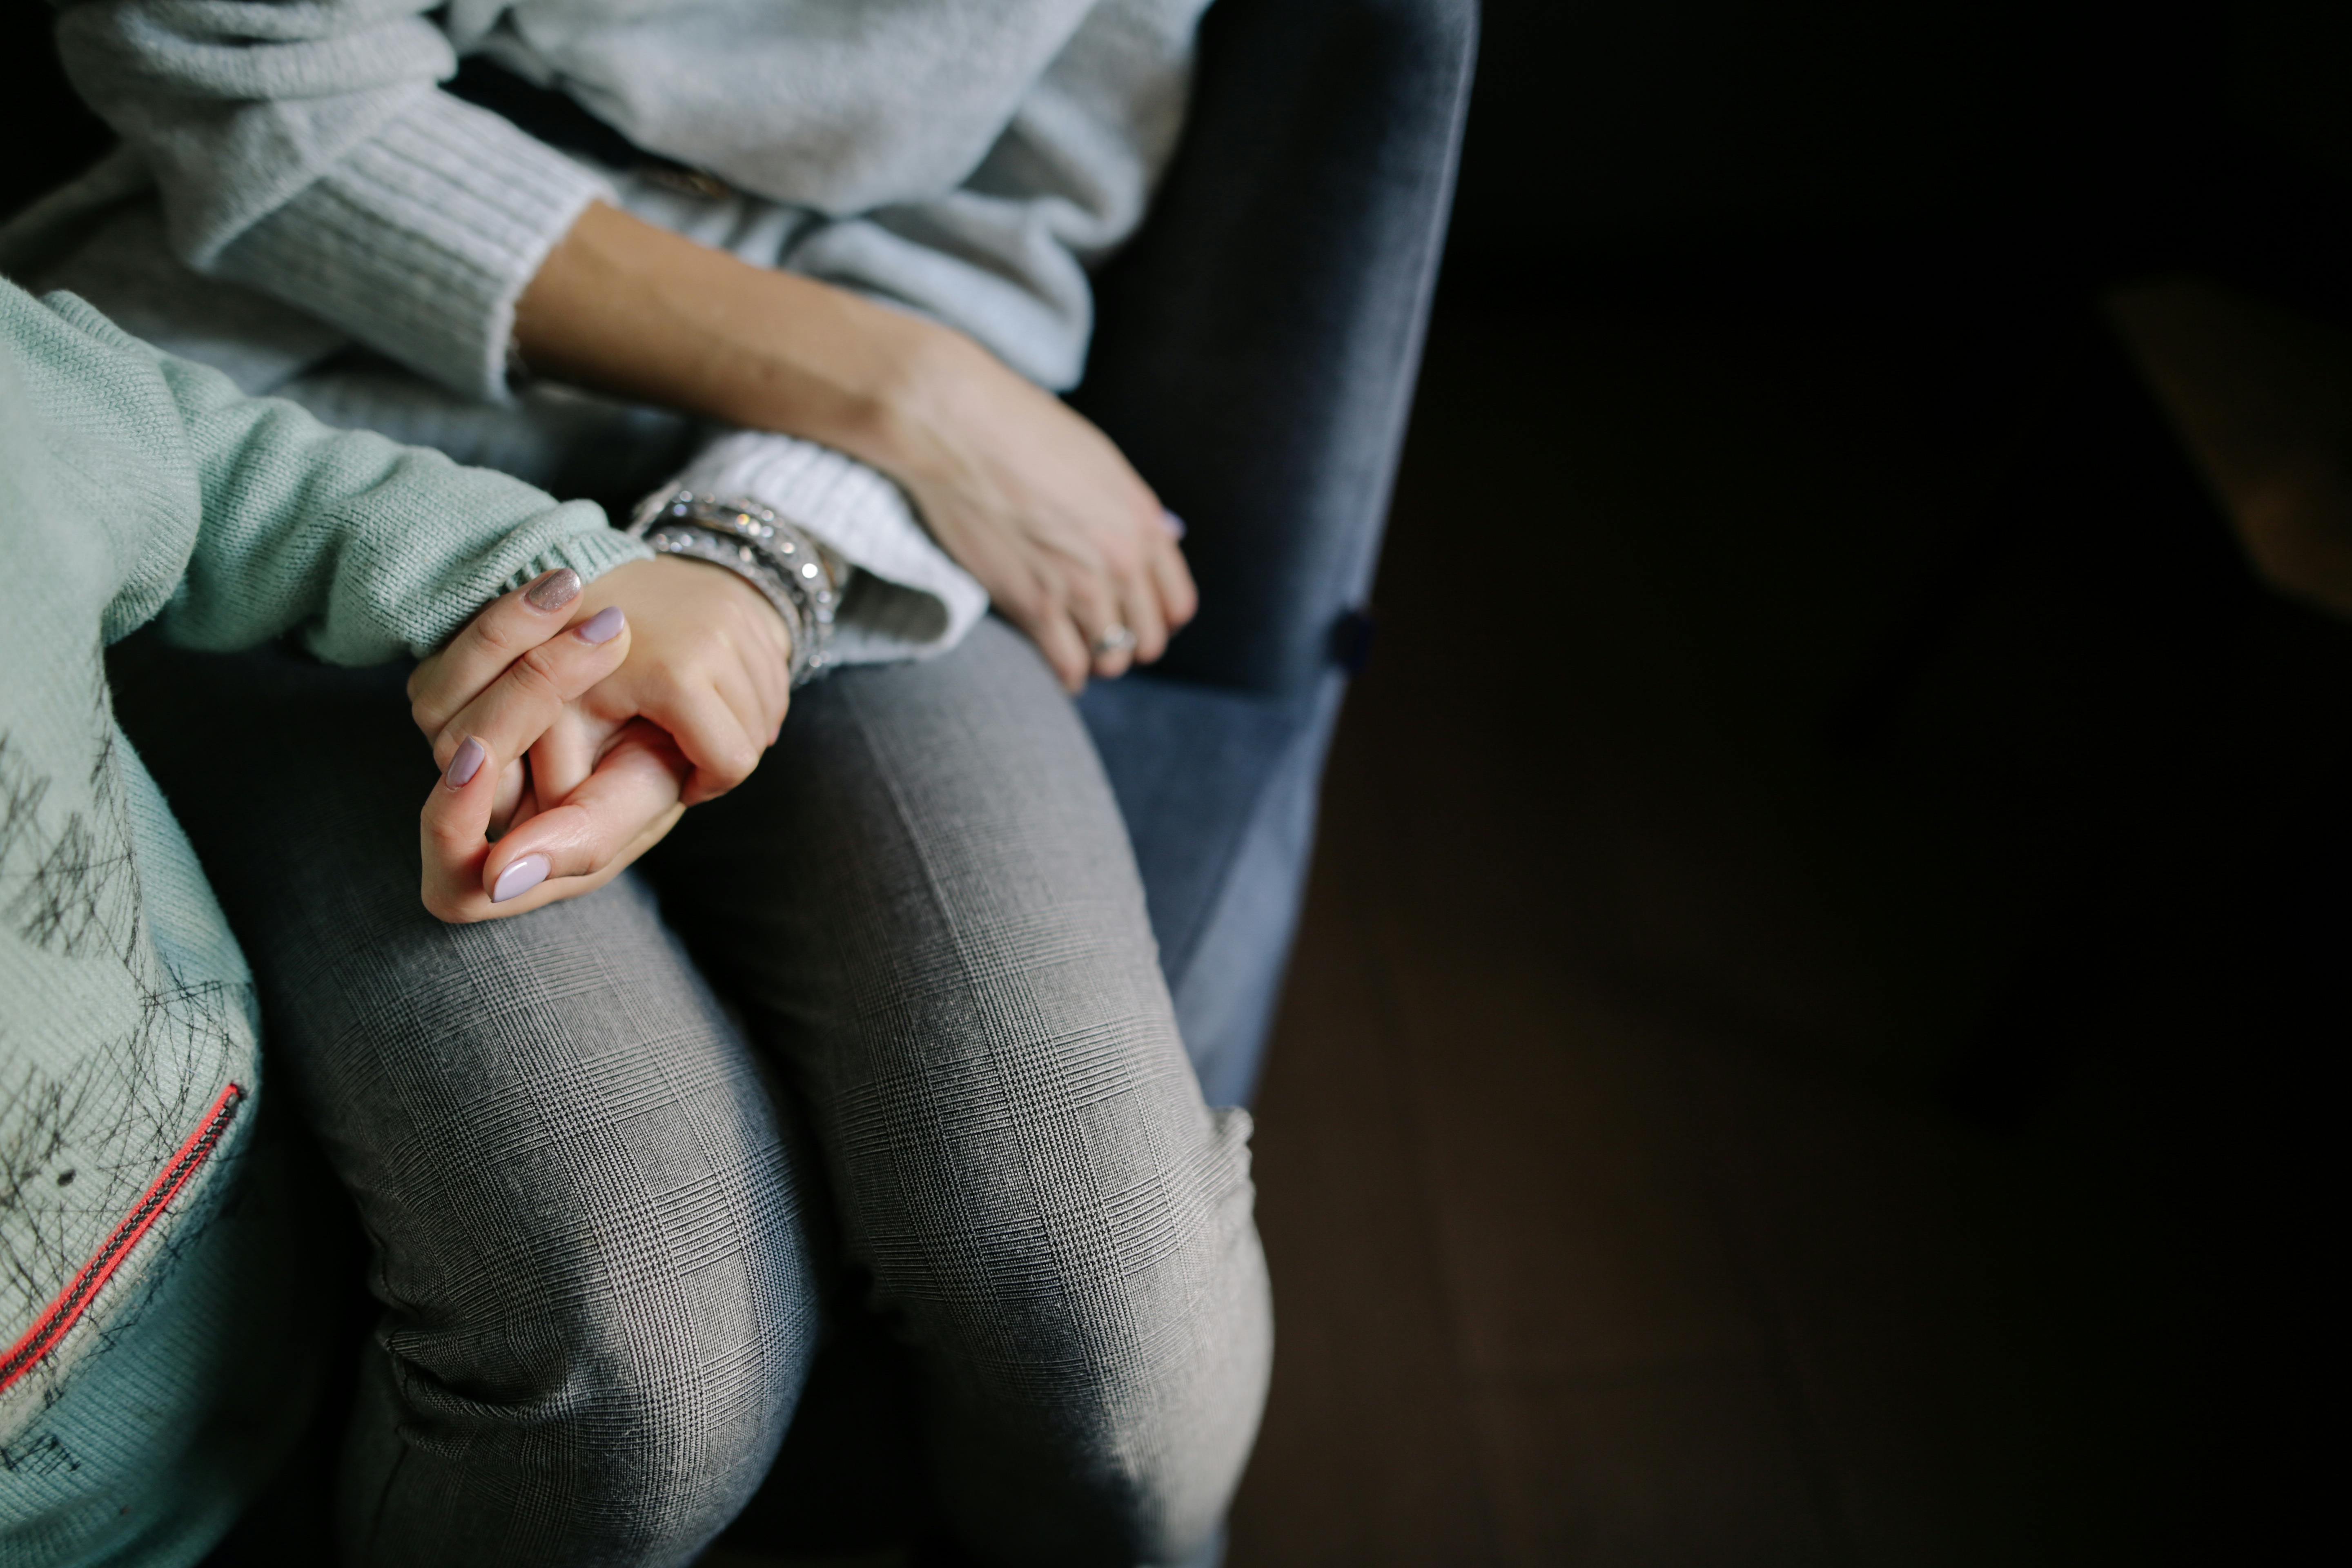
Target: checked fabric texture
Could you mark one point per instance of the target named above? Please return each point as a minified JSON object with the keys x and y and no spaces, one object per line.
{"x":606,"y":1208}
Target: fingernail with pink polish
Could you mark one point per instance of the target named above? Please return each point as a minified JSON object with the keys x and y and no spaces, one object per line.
{"x":554,"y":591}
{"x":1171,"y":522}
{"x":520,"y":879}
{"x":465,"y":764}
{"x":603,"y":627}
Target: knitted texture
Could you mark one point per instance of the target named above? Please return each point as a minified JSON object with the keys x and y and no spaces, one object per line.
{"x":421,"y":239}
{"x":137,"y":488}
{"x":238,"y":518}
{"x":969,"y":165}
{"x":966,"y":161}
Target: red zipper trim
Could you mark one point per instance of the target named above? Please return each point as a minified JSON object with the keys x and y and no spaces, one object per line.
{"x":66,"y":1311}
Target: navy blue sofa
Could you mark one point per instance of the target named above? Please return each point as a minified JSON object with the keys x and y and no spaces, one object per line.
{"x":1254,"y":356}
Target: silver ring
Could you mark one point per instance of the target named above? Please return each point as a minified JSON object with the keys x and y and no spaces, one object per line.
{"x":1115,"y":640}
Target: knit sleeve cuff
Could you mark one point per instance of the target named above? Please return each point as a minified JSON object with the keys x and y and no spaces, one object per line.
{"x":419,"y":241}
{"x":592,"y":554}
{"x":573,"y":535}
{"x":906,"y":599}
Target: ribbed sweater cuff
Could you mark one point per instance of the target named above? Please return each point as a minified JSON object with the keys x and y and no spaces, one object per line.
{"x":589,"y":548}
{"x":591,"y":555}
{"x":419,"y":241}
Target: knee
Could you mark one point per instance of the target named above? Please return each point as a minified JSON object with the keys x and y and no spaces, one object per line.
{"x":684,"y":1384}
{"x":1180,"y":1409}
{"x":1146,"y":1377}
{"x":1157,"y":1433}
{"x":641,"y":1389}
{"x":1178,"y":1437}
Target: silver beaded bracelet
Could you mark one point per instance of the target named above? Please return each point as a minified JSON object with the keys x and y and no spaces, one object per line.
{"x":794,"y":572}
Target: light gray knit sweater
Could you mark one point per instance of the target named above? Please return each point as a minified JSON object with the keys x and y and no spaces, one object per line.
{"x":965,"y":161}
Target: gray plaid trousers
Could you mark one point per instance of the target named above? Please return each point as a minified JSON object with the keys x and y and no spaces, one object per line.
{"x":601,"y":1202}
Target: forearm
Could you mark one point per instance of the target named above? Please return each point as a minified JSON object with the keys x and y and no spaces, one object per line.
{"x":630,"y":308}
{"x":1038,"y":505}
{"x":373,"y":548}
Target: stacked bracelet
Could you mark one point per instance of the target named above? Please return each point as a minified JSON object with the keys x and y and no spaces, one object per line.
{"x":792,"y":570}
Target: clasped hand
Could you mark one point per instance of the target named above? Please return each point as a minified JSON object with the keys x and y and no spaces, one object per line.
{"x":574,"y":726}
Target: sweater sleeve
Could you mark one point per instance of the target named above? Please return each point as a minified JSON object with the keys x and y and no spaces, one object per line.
{"x":1005,"y":255}
{"x":303,"y":150}
{"x":368,"y":548}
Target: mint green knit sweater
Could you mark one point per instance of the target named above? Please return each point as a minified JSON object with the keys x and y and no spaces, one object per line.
{"x":137,"y":488}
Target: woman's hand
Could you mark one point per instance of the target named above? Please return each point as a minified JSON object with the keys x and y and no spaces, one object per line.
{"x":1039,"y":505}
{"x":1030,"y":498}
{"x":495,"y":691}
{"x":709,"y":662}
{"x":619,"y":812}
{"x":671,"y":679}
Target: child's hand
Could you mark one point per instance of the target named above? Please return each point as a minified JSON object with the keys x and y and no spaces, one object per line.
{"x":619,"y":812}
{"x":507,"y":678}
{"x":697,"y":651}
{"x":710,"y":661}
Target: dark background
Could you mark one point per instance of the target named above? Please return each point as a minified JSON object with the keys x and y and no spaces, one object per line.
{"x":1809,"y":1038}
{"x":2029,"y":141}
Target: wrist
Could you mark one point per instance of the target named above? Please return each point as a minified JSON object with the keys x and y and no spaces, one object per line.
{"x":831,"y":367}
{"x":786,"y":566}
{"x":629,"y":306}
{"x":626,"y":306}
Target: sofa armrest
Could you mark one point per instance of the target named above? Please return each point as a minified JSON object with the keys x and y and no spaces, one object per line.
{"x":1256,"y":344}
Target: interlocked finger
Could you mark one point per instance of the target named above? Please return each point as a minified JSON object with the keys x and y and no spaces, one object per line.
{"x":523,"y":701}
{"x":616,"y":813}
{"x":506,"y":627}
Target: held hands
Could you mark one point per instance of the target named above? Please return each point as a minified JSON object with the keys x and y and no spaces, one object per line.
{"x":654,"y":690}
{"x":1025,"y":493}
